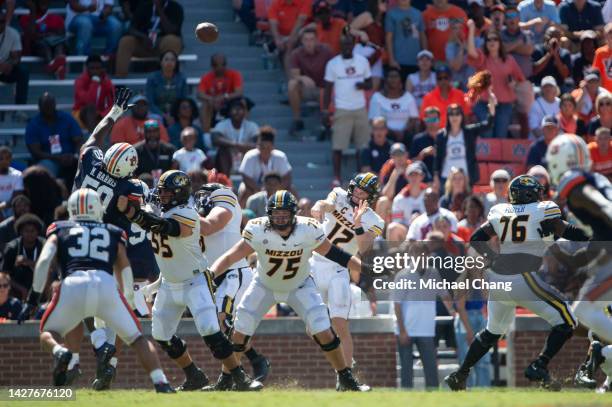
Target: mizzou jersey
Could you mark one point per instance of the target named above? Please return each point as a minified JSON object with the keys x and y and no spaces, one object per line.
{"x":519,"y":227}
{"x":180,"y":258}
{"x":282,"y":263}
{"x":86,"y":245}
{"x":220,"y":242}
{"x":574,"y":178}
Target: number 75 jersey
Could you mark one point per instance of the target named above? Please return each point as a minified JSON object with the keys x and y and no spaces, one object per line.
{"x":519,"y":227}
{"x":282,"y":263}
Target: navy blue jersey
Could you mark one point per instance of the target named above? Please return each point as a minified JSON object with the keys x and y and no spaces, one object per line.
{"x":573,"y":178}
{"x":86,"y":245}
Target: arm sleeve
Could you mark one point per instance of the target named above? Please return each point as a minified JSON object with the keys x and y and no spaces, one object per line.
{"x":42,"y":266}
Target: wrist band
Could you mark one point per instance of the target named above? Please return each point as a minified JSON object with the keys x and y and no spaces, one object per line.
{"x":359,"y":231}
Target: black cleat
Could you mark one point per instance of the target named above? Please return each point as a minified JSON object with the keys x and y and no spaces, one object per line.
{"x":261,"y":368}
{"x":73,"y":375}
{"x":536,"y":372}
{"x":242,"y":381}
{"x":584,"y":379}
{"x":105,"y":379}
{"x":456,"y":381}
{"x":164,"y":388}
{"x":224,"y":383}
{"x":61,"y":359}
{"x":596,"y":358}
{"x":194,"y":382}
{"x":347,"y":382}
{"x":105,"y":373}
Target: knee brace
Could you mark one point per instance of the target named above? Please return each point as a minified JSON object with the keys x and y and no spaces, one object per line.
{"x":487,"y":338}
{"x":328,"y":347}
{"x":175,"y":347}
{"x":241,"y":347}
{"x":219,"y":345}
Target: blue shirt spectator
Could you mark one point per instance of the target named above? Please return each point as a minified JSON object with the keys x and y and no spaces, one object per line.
{"x":376,"y":154}
{"x":166,"y":86}
{"x":580,"y":15}
{"x":530,"y":10}
{"x":405,"y":26}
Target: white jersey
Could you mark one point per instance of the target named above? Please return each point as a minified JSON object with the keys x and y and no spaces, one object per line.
{"x":221,"y":241}
{"x":282,"y":263}
{"x":180,"y":258}
{"x":338,"y":225}
{"x":519,"y":226}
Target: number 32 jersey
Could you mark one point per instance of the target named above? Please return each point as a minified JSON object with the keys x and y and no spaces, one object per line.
{"x":282,"y":263}
{"x":519,"y":227}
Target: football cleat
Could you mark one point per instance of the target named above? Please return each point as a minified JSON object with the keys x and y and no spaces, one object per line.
{"x":535,"y":372}
{"x":105,"y":379}
{"x":224,"y":383}
{"x":242,"y":381}
{"x":261,"y":368}
{"x":194,"y":382}
{"x":105,"y":373}
{"x":347,"y":382}
{"x":164,"y":388}
{"x":73,"y":375}
{"x":584,"y":379}
{"x":456,"y":381}
{"x":596,"y":358}
{"x":61,"y":359}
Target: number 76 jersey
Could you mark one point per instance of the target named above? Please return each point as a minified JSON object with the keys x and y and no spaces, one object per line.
{"x":519,"y":227}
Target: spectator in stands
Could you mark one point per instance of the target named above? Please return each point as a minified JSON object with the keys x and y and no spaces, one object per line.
{"x":536,"y":155}
{"x":550,"y":59}
{"x":93,"y":90}
{"x":408,"y":204}
{"x":405,"y":37}
{"x":505,"y":73}
{"x":397,"y":106}
{"x":257,"y":202}
{"x":44,"y":191}
{"x":10,"y":55}
{"x":540,"y":173}
{"x":88,"y":18}
{"x":44,"y":35}
{"x":189,"y":157}
{"x":10,"y":307}
{"x":583,"y":59}
{"x":423,"y":146}
{"x":216,"y":88}
{"x":601,"y":152}
{"x":456,"y":189}
{"x":602,"y":58}
{"x":328,"y":28}
{"x":11,"y":182}
{"x":184,"y":112}
{"x":578,"y":16}
{"x":393,"y":172}
{"x":498,"y":182}
{"x":349,"y":76}
{"x":456,"y":144}
{"x":54,"y":138}
{"x":130,"y":127}
{"x":166,"y":86}
{"x":476,"y":12}
{"x":154,"y":155}
{"x":436,"y":18}
{"x":286,"y":20}
{"x":547,"y":104}
{"x":307,"y":70}
{"x":201,"y":177}
{"x":420,"y":83}
{"x":245,"y":10}
{"x":603,"y":105}
{"x":423,"y":224}
{"x":497,"y":12}
{"x":261,"y":160}
{"x":474,"y":216}
{"x":20,"y":205}
{"x":305,"y":207}
{"x":9,"y":7}
{"x":155,"y":28}
{"x":376,"y":154}
{"x":537,"y":16}
{"x":20,"y":254}
{"x":233,"y":137}
{"x":369,"y":25}
{"x":443,"y":95}
{"x":569,"y":122}
{"x":456,"y":54}
{"x":586,"y":95}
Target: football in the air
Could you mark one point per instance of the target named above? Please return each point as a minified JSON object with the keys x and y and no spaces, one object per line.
{"x":207,"y":32}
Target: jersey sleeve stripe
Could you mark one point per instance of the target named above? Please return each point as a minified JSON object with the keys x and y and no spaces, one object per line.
{"x":184,"y":220}
{"x":231,"y":201}
{"x":51,"y":229}
{"x":567,"y":188}
{"x":376,"y":230}
{"x":223,"y":196}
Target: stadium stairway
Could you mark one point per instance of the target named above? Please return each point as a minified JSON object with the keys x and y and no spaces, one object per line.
{"x":311,"y":160}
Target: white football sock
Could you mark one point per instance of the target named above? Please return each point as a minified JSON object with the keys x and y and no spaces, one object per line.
{"x":74,"y":361}
{"x":98,"y":337}
{"x":158,"y":376}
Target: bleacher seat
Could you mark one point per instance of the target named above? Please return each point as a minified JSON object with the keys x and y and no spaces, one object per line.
{"x":489,"y":149}
{"x":514,"y":169}
{"x":515,"y":151}
{"x":483,"y":170}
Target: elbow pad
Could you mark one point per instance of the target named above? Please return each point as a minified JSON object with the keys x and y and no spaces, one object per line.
{"x":338,"y":256}
{"x":151,"y":222}
{"x":574,"y":234}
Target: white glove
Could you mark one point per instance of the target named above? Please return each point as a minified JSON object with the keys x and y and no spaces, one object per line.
{"x":150,"y":289}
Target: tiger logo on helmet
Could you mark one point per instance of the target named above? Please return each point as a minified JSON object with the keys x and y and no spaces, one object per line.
{"x":281,"y":201}
{"x":178,"y":184}
{"x":367,"y":182}
{"x":524,"y":189}
{"x":121,"y":160}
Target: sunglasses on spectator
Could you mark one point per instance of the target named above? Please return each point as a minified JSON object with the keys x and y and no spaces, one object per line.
{"x":454,"y":113}
{"x":608,"y":103}
{"x":433,"y":119}
{"x":500,"y":180}
{"x":512,"y":15}
{"x":492,"y":39}
{"x":5,"y":285}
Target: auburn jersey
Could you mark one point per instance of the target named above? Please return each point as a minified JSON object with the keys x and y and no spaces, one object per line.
{"x":574,"y":178}
{"x":180,"y":258}
{"x":218,"y":243}
{"x":282,"y":263}
{"x":86,"y":245}
{"x":519,"y":227}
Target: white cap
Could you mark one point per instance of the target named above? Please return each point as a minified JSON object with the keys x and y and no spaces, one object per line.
{"x":548,"y":80}
{"x":500,"y":173}
{"x":479,"y":2}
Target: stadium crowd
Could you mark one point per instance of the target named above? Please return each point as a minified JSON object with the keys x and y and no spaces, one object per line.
{"x":400,"y":81}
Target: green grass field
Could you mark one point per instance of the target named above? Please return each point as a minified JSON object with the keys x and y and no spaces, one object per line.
{"x":301,"y":398}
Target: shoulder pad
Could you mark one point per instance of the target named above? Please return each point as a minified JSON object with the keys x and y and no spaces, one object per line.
{"x":224,"y":196}
{"x":55,"y":226}
{"x":93,"y":151}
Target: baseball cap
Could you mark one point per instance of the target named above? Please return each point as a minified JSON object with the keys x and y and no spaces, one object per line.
{"x":398,"y":148}
{"x":443,"y":68}
{"x":415,"y":167}
{"x":500,"y":173}
{"x":550,"y":120}
{"x":151,"y":124}
{"x":539,"y":171}
{"x":588,"y":35}
{"x":424,"y":53}
{"x":592,"y":75}
{"x":138,"y":98}
{"x":548,"y":80}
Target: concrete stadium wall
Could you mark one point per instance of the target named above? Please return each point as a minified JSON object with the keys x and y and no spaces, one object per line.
{"x":296,"y":359}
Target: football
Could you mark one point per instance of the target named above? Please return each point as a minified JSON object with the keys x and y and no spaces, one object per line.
{"x":207,"y":32}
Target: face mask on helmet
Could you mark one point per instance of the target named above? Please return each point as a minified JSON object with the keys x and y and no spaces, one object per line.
{"x":363,"y":187}
{"x":203,"y":202}
{"x":281,"y":219}
{"x":524,"y":190}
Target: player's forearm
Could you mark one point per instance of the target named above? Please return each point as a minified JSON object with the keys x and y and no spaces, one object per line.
{"x":364,"y":242}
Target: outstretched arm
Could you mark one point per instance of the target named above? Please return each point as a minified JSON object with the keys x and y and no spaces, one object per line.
{"x":103,"y":128}
{"x":341,"y":257}
{"x":239,"y":251}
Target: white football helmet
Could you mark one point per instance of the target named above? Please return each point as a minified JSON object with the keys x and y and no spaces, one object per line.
{"x":566,"y":152}
{"x":84,"y":204}
{"x":121,"y":160}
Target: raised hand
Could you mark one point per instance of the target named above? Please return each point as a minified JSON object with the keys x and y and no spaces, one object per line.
{"x":359,"y":211}
{"x":122,"y":98}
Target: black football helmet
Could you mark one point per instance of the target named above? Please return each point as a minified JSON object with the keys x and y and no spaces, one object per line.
{"x":176,"y":182}
{"x":524,"y":189}
{"x":203,"y":203}
{"x":367,"y":182}
{"x":281,"y":201}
